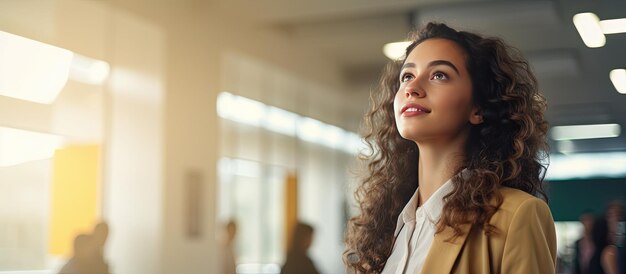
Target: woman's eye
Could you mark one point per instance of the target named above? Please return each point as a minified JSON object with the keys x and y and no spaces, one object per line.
{"x":439,"y":76}
{"x":406,"y":77}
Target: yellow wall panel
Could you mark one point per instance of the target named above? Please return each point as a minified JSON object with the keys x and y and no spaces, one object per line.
{"x":75,"y":195}
{"x":291,"y":206}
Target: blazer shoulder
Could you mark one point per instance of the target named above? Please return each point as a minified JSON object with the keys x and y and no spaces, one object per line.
{"x":529,"y":235}
{"x":514,"y":199}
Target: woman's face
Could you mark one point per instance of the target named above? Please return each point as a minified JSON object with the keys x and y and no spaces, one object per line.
{"x":434,"y":101}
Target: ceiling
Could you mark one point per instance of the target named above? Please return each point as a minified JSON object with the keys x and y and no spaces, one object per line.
{"x":574,"y":78}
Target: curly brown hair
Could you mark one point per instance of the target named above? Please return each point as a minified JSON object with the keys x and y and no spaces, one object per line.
{"x":507,"y":149}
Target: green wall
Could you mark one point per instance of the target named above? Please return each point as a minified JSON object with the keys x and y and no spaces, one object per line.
{"x":568,"y":199}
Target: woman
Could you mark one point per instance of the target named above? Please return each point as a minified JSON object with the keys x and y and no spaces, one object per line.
{"x":457,"y":135}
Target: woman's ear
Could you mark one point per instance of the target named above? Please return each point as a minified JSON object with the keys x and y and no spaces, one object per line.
{"x":476,"y":117}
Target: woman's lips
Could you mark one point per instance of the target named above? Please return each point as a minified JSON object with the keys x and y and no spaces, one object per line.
{"x":413,"y":110}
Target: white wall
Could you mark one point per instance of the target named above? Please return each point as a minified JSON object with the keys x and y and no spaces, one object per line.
{"x":190,"y":140}
{"x":134,"y":154}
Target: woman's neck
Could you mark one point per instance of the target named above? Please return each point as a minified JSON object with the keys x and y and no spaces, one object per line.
{"x":437,"y":164}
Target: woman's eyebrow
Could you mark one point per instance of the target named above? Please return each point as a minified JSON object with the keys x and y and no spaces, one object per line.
{"x":407,"y":65}
{"x":432,"y":64}
{"x":445,"y":63}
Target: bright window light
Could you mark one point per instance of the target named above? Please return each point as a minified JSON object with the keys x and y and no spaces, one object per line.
{"x":258,"y":268}
{"x":231,"y":107}
{"x":333,"y":136}
{"x":613,"y":26}
{"x":246,"y":168}
{"x":20,"y":146}
{"x":310,"y":130}
{"x":354,"y":144}
{"x":396,"y":50}
{"x":281,"y":121}
{"x":225,"y":102}
{"x":238,"y":167}
{"x":43,"y":271}
{"x":31,"y":70}
{"x":587,"y":165}
{"x":240,"y":109}
{"x":561,"y":133}
{"x":248,"y":111}
{"x":618,"y":77}
{"x":588,"y":26}
{"x":88,"y":70}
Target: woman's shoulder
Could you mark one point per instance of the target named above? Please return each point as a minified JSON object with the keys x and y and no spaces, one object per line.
{"x":517,"y":202}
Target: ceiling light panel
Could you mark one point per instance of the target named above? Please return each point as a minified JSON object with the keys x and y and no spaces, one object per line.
{"x":588,"y":26}
{"x":618,"y":77}
{"x":578,"y":132}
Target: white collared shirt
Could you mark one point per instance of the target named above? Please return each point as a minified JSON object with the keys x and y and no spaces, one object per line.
{"x":415,"y":231}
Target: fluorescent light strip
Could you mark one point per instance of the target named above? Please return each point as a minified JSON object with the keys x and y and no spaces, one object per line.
{"x":254,"y":113}
{"x":618,"y":77}
{"x":613,"y":26}
{"x":561,"y":133}
{"x":588,"y":26}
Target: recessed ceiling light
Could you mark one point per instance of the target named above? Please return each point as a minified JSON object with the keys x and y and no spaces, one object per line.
{"x":618,"y":77}
{"x":588,"y":26}
{"x":395,"y":50}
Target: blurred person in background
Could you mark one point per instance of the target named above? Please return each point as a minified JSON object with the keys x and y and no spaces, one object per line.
{"x":100,"y":236}
{"x":614,"y":257}
{"x":603,"y":260}
{"x":88,"y":253}
{"x":615,"y":212}
{"x":79,"y":262}
{"x":457,"y":137}
{"x":614,"y":216}
{"x":229,"y":263}
{"x":298,"y":261}
{"x":584,"y":247}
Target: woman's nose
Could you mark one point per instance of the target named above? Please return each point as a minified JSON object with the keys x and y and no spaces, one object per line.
{"x":414,"y":88}
{"x":414,"y":91}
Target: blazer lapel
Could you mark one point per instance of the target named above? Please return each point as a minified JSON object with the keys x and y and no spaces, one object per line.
{"x":443,"y":253}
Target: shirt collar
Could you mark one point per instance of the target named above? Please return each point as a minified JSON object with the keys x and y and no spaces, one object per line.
{"x":435,"y":203}
{"x":432,"y":207}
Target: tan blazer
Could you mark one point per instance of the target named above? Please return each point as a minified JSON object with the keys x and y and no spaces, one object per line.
{"x":524,"y":242}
